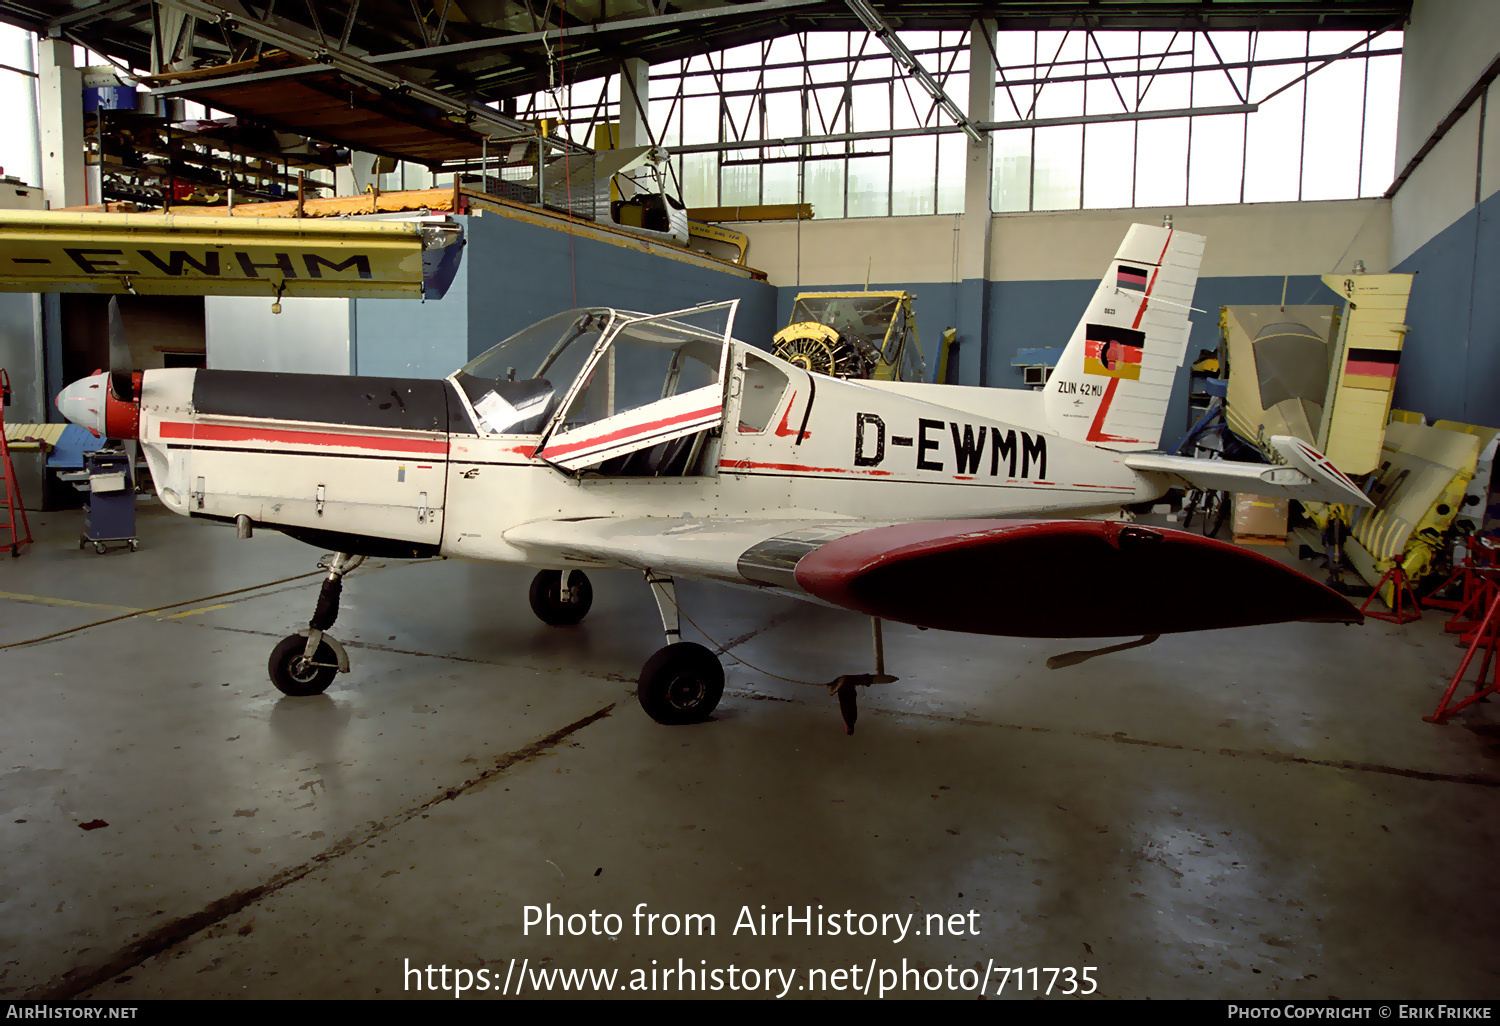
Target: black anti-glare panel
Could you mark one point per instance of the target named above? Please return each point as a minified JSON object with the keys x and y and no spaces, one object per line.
{"x":412,"y":404}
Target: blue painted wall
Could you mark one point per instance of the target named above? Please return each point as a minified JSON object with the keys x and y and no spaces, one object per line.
{"x":1450,"y":365}
{"x":413,"y":338}
{"x":514,"y":274}
{"x":520,"y":273}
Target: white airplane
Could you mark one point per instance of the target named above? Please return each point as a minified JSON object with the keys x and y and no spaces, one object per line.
{"x":604,"y":439}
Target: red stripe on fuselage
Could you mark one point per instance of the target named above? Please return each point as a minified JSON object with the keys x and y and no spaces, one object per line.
{"x":285,"y":436}
{"x":796,"y":468}
{"x":625,"y":434}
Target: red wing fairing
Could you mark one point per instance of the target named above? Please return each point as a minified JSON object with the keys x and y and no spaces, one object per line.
{"x":1060,"y":579}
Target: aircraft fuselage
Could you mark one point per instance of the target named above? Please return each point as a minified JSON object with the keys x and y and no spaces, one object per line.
{"x":399,"y":467}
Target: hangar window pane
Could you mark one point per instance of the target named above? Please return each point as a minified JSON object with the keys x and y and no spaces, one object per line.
{"x":1108,"y":164}
{"x":748,"y":56}
{"x":870,"y":187}
{"x":871,"y":105}
{"x":699,"y":185}
{"x":1273,"y":150}
{"x":740,"y":185}
{"x":823,"y":185}
{"x":1109,"y":96}
{"x":1331,"y":128}
{"x":779,"y":183}
{"x":1015,"y":53}
{"x":1161,"y":163}
{"x":1216,"y":159}
{"x":700,"y":119}
{"x":1060,"y":100}
{"x":913,"y":187}
{"x":953,"y":153}
{"x":1012,"y":156}
{"x":1059,"y":168}
{"x":1378,"y":167}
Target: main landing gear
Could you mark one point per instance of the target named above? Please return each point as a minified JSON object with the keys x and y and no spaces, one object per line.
{"x":305,"y":663}
{"x":682,"y":682}
{"x":557,"y":605}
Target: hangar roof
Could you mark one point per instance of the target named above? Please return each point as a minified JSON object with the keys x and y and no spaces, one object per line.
{"x":486,"y":50}
{"x":413,"y":77}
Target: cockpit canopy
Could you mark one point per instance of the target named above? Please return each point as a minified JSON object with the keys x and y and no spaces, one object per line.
{"x":581,"y":367}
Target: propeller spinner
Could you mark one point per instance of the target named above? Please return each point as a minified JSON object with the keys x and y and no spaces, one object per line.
{"x":107,"y":403}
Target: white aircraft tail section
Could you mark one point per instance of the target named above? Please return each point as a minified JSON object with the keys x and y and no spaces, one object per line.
{"x":1112,"y":382}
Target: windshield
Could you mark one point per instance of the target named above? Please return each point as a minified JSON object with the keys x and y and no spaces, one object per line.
{"x":648,"y":361}
{"x":515,"y":386}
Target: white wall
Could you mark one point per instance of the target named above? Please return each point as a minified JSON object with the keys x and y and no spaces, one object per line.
{"x":1448,"y":43}
{"x":1440,"y":189}
{"x":887,"y":249}
{"x":1243,"y":240}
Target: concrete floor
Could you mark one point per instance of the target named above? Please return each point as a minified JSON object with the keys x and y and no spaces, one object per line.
{"x":1254,"y":813}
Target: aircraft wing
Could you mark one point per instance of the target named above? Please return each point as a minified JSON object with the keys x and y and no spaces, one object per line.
{"x":1017,"y":578}
{"x":1306,"y":474}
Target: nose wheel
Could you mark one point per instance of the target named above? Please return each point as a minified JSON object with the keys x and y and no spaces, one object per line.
{"x":305,"y":663}
{"x":294,"y":674}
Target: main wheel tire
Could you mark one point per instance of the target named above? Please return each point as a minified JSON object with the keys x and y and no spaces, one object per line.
{"x":546,"y":597}
{"x":681,"y":683}
{"x":291,"y":677}
{"x":1192,"y":503}
{"x":1215,"y":512}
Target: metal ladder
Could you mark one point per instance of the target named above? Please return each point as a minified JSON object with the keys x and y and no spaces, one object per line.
{"x":8,"y":484}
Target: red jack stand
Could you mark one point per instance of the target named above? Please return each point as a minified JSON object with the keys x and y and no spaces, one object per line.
{"x":1470,"y":583}
{"x":1487,"y":636}
{"x":1476,"y":587}
{"x":1400,"y":593}
{"x":1468,"y":617}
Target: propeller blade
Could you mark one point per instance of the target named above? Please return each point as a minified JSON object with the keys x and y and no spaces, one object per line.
{"x":119,"y":347}
{"x":120,"y":383}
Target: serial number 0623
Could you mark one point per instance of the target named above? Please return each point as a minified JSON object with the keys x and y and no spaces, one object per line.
{"x":1049,"y":980}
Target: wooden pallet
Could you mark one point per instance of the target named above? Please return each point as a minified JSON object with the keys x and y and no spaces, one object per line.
{"x":1260,"y":539}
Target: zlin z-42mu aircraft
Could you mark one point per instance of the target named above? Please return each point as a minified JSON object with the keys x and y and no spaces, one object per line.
{"x":604,"y":439}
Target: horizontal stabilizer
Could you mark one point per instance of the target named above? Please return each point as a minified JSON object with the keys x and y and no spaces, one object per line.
{"x":1305,"y":475}
{"x":1068,"y":579}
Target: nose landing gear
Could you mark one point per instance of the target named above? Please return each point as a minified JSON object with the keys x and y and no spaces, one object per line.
{"x":305,"y":663}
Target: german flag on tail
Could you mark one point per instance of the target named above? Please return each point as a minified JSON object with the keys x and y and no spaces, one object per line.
{"x":1129,"y":277}
{"x":1371,"y":368}
{"x":1112,"y":351}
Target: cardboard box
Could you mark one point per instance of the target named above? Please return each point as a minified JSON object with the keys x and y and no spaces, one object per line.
{"x":1259,"y":518}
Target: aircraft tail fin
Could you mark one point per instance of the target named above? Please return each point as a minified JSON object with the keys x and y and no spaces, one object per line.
{"x":1113,"y":381}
